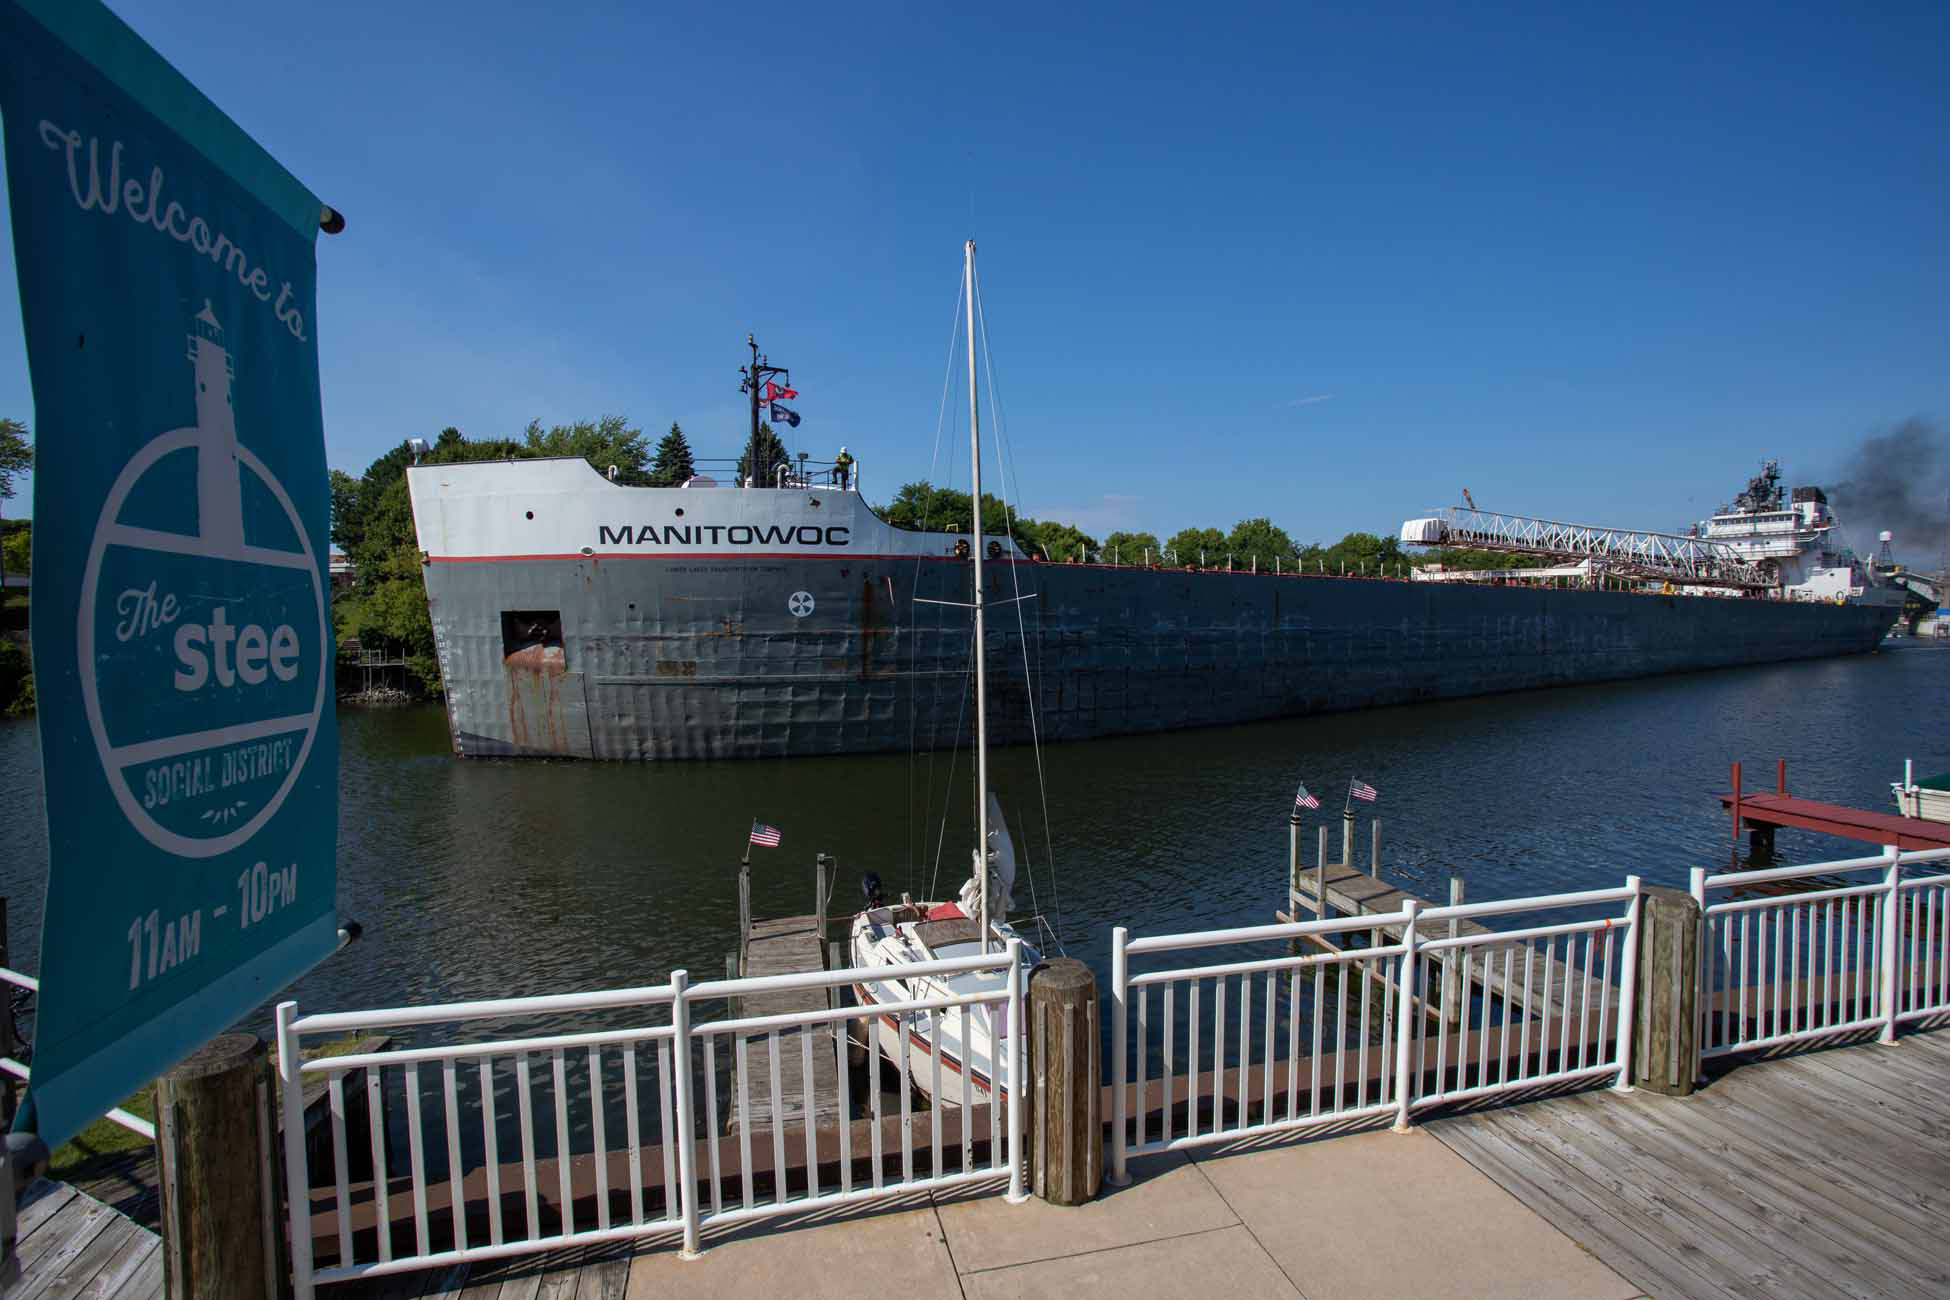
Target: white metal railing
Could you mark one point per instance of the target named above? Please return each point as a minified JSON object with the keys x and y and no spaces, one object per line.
{"x":135,"y":1124}
{"x":1343,"y":1033}
{"x":1848,"y":945}
{"x":1545,"y":1015}
{"x":556,"y":1095}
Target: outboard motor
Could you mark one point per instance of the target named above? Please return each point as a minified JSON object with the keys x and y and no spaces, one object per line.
{"x":870,"y":886}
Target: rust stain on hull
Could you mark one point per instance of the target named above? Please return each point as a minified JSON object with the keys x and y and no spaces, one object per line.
{"x":535,"y":686}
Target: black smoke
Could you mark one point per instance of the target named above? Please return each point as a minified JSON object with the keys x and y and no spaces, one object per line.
{"x":1898,"y":479}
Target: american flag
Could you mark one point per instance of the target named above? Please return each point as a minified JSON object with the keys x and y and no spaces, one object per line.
{"x":765,"y":836}
{"x":1362,"y":790}
{"x":1304,"y":800}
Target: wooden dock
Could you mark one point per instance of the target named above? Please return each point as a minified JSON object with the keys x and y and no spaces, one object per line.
{"x":786,"y":945}
{"x":1353,"y":892}
{"x":71,"y":1245}
{"x":1818,"y":1174}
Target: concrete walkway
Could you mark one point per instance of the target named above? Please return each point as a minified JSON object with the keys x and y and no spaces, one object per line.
{"x":1376,"y":1214}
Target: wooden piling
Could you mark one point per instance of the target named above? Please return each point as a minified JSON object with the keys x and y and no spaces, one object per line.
{"x":1320,"y":880}
{"x":215,"y":1163}
{"x":822,"y":868}
{"x":1665,"y":1056}
{"x":1065,"y":1120}
{"x":1374,"y":850}
{"x":744,"y":913}
{"x":1347,"y":840}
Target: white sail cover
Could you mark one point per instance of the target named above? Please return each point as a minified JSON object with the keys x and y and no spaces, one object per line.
{"x":1002,"y":869}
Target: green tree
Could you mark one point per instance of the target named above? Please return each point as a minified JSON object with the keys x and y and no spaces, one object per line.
{"x":1260,"y":540}
{"x":603,"y":442}
{"x":18,"y":549}
{"x":1130,"y":548}
{"x":16,"y":679}
{"x":673,"y":466}
{"x":1366,"y":553}
{"x":771,"y":454}
{"x":16,"y":455}
{"x":923,"y":507}
{"x":1061,"y":542}
{"x":1187,"y":543}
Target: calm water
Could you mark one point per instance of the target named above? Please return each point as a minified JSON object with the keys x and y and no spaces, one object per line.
{"x":481,"y":879}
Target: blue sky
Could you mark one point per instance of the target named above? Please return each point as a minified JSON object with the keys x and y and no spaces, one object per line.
{"x":1323,"y":265}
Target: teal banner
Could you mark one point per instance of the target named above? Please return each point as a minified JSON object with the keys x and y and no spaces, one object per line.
{"x":181,"y":624}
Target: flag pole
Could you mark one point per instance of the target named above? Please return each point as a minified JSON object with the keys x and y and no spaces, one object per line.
{"x":745,"y":899}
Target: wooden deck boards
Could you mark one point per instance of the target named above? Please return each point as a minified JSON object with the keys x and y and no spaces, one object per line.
{"x":1818,"y":1174}
{"x":71,"y":1245}
{"x":786,"y":946}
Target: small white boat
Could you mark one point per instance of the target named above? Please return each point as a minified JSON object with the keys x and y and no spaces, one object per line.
{"x":963,"y":1040}
{"x":902,"y":934}
{"x":1928,"y":798}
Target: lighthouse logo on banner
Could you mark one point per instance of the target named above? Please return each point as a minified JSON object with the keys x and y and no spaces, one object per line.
{"x":202,"y":628}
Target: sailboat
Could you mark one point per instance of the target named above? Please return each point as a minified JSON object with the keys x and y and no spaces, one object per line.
{"x":969,"y":1041}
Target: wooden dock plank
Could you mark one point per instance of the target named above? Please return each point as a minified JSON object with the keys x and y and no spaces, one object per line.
{"x":1794,"y":1175}
{"x":787,"y":945}
{"x":71,"y":1245}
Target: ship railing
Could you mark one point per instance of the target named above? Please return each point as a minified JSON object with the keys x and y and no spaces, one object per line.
{"x":514,"y":1126}
{"x":804,"y":473}
{"x":1802,"y":954}
{"x":1366,"y":1017}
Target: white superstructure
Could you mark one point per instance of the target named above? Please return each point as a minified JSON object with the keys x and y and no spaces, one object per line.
{"x":1788,"y":536}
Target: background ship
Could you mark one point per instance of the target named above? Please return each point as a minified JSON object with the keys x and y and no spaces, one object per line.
{"x":577,"y":617}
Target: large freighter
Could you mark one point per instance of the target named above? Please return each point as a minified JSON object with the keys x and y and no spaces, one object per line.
{"x":578,"y":617}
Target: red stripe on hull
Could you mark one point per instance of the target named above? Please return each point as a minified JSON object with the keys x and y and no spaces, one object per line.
{"x":977,"y":1080}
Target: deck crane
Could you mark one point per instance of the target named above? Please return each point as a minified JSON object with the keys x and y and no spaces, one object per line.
{"x":1657,"y":557}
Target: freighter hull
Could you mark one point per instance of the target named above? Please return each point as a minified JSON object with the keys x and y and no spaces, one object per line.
{"x":660,"y":657}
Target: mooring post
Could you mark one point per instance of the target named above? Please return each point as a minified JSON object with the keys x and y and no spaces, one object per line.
{"x":744,"y":912}
{"x":1666,"y":1006}
{"x":1293,"y":874}
{"x":1347,"y":841}
{"x":1736,"y":814}
{"x":1066,"y":1129}
{"x":1374,"y":850}
{"x":1320,"y":877}
{"x":820,"y":863}
{"x":213,"y":1126}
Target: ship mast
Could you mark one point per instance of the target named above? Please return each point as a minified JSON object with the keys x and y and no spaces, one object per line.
{"x":753,"y":379}
{"x":981,"y":673}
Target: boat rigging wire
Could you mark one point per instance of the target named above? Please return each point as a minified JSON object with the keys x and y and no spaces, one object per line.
{"x":916,"y":837}
{"x":1004,"y":470}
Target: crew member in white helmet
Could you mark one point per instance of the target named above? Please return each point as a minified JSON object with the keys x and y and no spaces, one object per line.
{"x":843,"y":469}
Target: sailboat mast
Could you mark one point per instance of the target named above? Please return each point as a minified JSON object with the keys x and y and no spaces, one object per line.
{"x":981,"y":673}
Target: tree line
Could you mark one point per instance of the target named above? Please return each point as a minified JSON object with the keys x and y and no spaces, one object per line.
{"x":1250,"y":543}
{"x":16,"y":548}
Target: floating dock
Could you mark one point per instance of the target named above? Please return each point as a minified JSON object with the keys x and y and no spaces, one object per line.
{"x":1349,"y":891}
{"x":775,"y":1061}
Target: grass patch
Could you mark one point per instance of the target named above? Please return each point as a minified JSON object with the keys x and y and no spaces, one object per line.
{"x":106,"y":1144}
